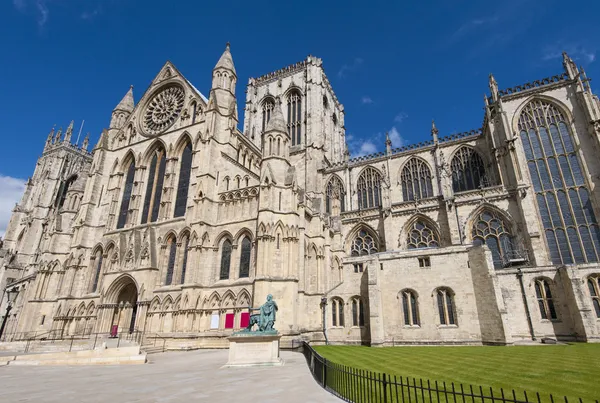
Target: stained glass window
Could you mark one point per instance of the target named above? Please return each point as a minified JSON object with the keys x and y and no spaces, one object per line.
{"x":422,"y":235}
{"x":335,"y":191}
{"x":363,"y":244}
{"x":186,"y":245}
{"x":172,"y":248}
{"x":369,"y":189}
{"x":267,"y":109}
{"x":489,"y":228}
{"x":128,"y":188}
{"x":544,"y":298}
{"x":184,"y":180}
{"x":468,"y":170}
{"x":416,"y":180}
{"x":98,"y":270}
{"x":225,"y":260}
{"x":445,"y":300}
{"x":154,"y":188}
{"x":570,"y":226}
{"x":410,"y":308}
{"x":594,"y":287}
{"x":245,"y":257}
{"x":294,"y":106}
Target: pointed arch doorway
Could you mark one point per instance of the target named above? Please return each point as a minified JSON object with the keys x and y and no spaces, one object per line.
{"x":124,"y":298}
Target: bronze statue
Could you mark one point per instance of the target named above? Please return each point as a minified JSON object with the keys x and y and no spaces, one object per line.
{"x":265,"y":319}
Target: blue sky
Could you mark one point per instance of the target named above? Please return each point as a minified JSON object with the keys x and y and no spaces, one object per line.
{"x":394,"y":65}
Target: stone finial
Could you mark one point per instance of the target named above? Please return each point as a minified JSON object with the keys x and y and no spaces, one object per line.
{"x":86,"y":142}
{"x":69,"y":132}
{"x":493,"y":87}
{"x":58,"y":136}
{"x":570,"y":66}
{"x":434,"y":131}
{"x":388,"y":144}
{"x":50,"y":136}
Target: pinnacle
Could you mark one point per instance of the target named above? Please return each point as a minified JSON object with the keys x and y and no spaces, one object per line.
{"x":127,"y":102}
{"x":226,"y":61}
{"x":277,"y":122}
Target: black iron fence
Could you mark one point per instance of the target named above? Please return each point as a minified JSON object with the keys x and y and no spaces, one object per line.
{"x":357,"y":385}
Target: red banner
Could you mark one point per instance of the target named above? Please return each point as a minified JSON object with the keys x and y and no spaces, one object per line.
{"x":229,"y":320}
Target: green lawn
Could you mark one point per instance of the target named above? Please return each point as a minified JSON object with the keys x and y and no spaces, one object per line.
{"x":562,"y":370}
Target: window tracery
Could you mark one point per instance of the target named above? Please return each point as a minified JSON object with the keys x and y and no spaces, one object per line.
{"x":490,"y":228}
{"x":226,"y":249}
{"x":245,"y":256}
{"x":369,"y":188}
{"x":468,"y":170}
{"x":184,"y":180}
{"x":128,"y":188}
{"x":154,"y":188}
{"x":363,"y":244}
{"x":570,"y":226}
{"x":337,"y":312}
{"x":594,"y":288}
{"x":410,"y":308}
{"x":335,"y":192}
{"x":267,"y":109}
{"x":416,"y":180}
{"x":295,"y":117}
{"x":544,"y":298}
{"x":445,"y":301}
{"x":163,"y":109}
{"x":172,"y":251}
{"x":422,"y":235}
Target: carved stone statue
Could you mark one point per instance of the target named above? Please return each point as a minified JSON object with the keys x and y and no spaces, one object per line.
{"x":265,"y":319}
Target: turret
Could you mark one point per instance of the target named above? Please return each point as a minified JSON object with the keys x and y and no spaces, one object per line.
{"x":122,"y":110}
{"x":222,"y":97}
{"x":224,"y":75}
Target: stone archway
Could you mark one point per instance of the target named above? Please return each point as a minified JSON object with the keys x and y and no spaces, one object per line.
{"x":123,"y":298}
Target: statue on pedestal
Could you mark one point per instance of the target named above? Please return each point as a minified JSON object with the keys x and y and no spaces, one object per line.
{"x":265,"y":319}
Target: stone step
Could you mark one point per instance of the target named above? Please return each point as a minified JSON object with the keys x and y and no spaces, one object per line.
{"x":100,"y":356}
{"x":152,"y":349}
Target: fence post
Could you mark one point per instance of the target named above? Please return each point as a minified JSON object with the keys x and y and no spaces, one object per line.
{"x":385,"y":387}
{"x":325,"y":373}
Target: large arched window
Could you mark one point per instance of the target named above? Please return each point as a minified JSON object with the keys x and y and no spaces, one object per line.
{"x":358,"y":312}
{"x":245,"y":257}
{"x":570,"y":226}
{"x":172,"y":252}
{"x":127,"y":189}
{"x":184,"y":180}
{"x":154,"y":189}
{"x":337,"y":312}
{"x":267,"y":110}
{"x":64,"y":189}
{"x":369,"y":188}
{"x":335,"y":194}
{"x":410,"y":308}
{"x":544,"y":298}
{"x":468,"y":170}
{"x":294,"y":105}
{"x":225,"y":259}
{"x":422,"y":235}
{"x":184,"y":261}
{"x":594,"y":287}
{"x":490,"y":228}
{"x":416,"y":180}
{"x":98,"y":269}
{"x":363,"y":244}
{"x":445,"y":302}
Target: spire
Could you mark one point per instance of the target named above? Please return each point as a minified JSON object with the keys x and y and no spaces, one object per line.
{"x":434,"y":131}
{"x":276,"y":123}
{"x":226,"y":61}
{"x":86,"y":142}
{"x":69,"y":132}
{"x":126,"y":103}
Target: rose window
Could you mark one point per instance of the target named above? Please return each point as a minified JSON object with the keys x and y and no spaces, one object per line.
{"x":163,"y":109}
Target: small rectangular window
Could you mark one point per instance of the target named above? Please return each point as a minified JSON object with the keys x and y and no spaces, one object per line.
{"x":358,"y":267}
{"x":424,"y":262}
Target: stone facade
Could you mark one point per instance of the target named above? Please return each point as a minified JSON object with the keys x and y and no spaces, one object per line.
{"x":176,"y":221}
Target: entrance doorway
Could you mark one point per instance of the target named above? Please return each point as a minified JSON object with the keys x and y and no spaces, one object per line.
{"x":124,"y":314}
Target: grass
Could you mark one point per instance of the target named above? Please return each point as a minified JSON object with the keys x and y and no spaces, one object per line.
{"x":561,"y":370}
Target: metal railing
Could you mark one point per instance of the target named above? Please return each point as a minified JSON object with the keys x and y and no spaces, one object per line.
{"x":357,"y":385}
{"x":150,"y":340}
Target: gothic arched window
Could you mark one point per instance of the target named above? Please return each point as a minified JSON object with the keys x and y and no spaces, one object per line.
{"x":490,"y":228}
{"x":225,"y":260}
{"x":185,"y":245}
{"x":422,"y":235}
{"x":172,"y":252}
{"x":64,"y":189}
{"x":544,"y":298}
{"x":416,"y":180}
{"x":594,"y":287}
{"x":184,"y":180}
{"x":563,"y":199}
{"x":337,"y":312}
{"x":468,"y":170}
{"x":294,"y":105}
{"x":245,"y":257}
{"x":127,"y":189}
{"x":445,"y":302}
{"x":335,"y":191}
{"x":154,"y":188}
{"x":358,"y":312}
{"x":369,"y":188}
{"x":98,"y":269}
{"x":363,"y":244}
{"x":410,"y":308}
{"x":267,"y":109}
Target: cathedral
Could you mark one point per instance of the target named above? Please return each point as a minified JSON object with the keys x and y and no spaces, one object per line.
{"x":177,"y":221}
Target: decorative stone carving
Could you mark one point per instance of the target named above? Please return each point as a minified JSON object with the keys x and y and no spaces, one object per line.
{"x":163,"y":109}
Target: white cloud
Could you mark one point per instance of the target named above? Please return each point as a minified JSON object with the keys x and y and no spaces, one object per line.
{"x":367,"y":147}
{"x":11,"y":191}
{"x":42,"y":12}
{"x":366,"y":100}
{"x":577,"y":52}
{"x":400,"y":117}
{"x":346,"y":68}
{"x":397,"y":140}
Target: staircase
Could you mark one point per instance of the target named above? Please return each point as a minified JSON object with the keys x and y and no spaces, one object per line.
{"x":100,"y":356}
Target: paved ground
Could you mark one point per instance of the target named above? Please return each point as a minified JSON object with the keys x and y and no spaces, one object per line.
{"x":169,"y":377}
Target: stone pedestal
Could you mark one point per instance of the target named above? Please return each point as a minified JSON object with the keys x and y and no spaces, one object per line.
{"x":252,"y":349}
